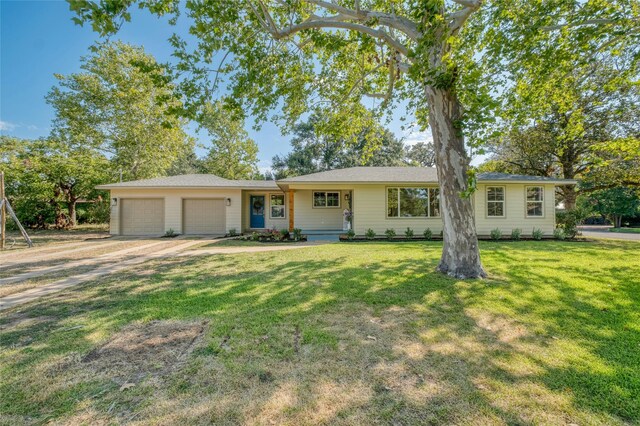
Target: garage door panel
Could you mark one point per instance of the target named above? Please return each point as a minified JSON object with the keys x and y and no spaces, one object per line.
{"x":204,"y":216}
{"x":142,"y":216}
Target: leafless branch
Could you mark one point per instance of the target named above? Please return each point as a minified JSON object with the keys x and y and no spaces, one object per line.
{"x":264,"y":18}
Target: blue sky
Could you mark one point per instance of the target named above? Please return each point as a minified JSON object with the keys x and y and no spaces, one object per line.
{"x":38,"y":39}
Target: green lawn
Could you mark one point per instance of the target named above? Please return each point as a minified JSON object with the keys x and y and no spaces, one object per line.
{"x":361,"y":333}
{"x":625,"y":230}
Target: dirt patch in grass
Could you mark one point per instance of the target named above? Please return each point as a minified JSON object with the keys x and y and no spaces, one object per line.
{"x":152,"y":349}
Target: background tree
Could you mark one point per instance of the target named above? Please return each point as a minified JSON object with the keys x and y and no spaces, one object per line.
{"x":124,"y":105}
{"x":314,"y":150}
{"x":558,"y":134}
{"x":233,"y":154}
{"x":46,"y":178}
{"x":421,"y":154}
{"x":291,"y":55}
{"x":614,"y":203}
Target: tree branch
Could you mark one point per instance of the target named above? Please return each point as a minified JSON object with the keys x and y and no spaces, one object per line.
{"x":399,"y":23}
{"x":328,"y":22}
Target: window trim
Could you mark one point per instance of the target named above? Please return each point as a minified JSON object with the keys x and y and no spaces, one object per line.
{"x":284,"y":206}
{"x":428,"y":188}
{"x":504,"y":202}
{"x":526,"y":202}
{"x":313,"y":204}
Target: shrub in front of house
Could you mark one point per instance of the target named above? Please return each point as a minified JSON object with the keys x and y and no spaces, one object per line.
{"x":558,"y":234}
{"x":351,"y":234}
{"x":390,"y":233}
{"x":370,"y":234}
{"x":537,"y":234}
{"x":516,"y":234}
{"x":297,"y":234}
{"x":285,"y":233}
{"x":232,"y":232}
{"x":171,"y":233}
{"x":568,"y":221}
{"x":496,"y":234}
{"x":428,"y":235}
{"x":408,"y":232}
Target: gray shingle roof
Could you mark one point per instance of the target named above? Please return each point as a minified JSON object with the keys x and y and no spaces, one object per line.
{"x":352,"y":174}
{"x":192,"y":181}
{"x":369,"y":174}
{"x":495,"y":176}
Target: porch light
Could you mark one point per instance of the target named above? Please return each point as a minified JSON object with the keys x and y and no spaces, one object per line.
{"x":115,"y":202}
{"x":347,"y":196}
{"x":228,"y":201}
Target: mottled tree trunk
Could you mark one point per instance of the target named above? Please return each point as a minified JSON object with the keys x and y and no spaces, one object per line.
{"x":72,"y":213}
{"x":569,"y":196}
{"x":460,"y":253}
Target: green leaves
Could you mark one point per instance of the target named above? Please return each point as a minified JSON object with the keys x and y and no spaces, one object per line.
{"x":123,"y":104}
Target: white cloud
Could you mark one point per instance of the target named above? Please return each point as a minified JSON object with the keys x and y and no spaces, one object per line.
{"x":5,"y":126}
{"x":413,"y":136}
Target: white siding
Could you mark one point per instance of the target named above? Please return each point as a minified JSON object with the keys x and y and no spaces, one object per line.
{"x":515,"y":210}
{"x":370,"y":211}
{"x":309,"y":218}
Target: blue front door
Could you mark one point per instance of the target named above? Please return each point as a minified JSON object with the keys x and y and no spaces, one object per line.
{"x":256,"y":204}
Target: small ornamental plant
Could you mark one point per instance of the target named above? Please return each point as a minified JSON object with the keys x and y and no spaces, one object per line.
{"x":297,"y":234}
{"x":170,"y":233}
{"x":285,"y":233}
{"x":559,"y":234}
{"x":537,"y":234}
{"x":233,"y":232}
{"x":351,"y":234}
{"x":516,"y":234}
{"x":428,"y":234}
{"x":390,"y":233}
{"x":496,"y":234}
{"x":408,"y":232}
{"x":370,"y":234}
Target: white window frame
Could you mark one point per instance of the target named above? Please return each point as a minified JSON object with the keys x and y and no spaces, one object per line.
{"x":503,"y":201}
{"x":284,"y":205}
{"x":526,"y":201}
{"x":326,"y":199}
{"x":398,"y":188}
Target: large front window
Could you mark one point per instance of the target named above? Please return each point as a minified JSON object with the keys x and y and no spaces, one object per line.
{"x":413,"y":202}
{"x":326,"y":199}
{"x":535,"y":201}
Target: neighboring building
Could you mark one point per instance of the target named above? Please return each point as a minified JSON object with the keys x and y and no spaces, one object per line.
{"x":377,"y":197}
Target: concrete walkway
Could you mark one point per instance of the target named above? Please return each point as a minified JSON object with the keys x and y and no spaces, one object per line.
{"x":598,"y":231}
{"x":37,"y":292}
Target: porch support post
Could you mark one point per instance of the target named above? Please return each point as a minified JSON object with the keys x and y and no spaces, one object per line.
{"x":291,"y":218}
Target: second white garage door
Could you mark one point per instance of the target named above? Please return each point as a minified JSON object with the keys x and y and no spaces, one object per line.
{"x":204,"y":216}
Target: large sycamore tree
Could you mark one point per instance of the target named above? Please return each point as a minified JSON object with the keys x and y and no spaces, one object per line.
{"x":444,"y":62}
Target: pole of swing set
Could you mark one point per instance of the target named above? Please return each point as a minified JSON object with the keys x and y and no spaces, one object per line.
{"x":3,"y":213}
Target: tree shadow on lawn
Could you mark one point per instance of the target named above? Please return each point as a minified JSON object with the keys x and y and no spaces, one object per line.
{"x":379,"y":341}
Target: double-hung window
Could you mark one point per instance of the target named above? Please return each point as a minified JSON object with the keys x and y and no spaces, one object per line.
{"x":495,"y":201}
{"x":326,"y":199}
{"x":535,"y":201}
{"x":413,"y":202}
{"x":277,"y":206}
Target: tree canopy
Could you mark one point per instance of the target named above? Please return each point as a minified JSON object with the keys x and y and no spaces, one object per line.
{"x":232,"y":154}
{"x":124,"y":105}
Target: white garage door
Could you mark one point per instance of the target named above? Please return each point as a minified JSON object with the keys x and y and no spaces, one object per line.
{"x":142,"y":216}
{"x":203,"y":216}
